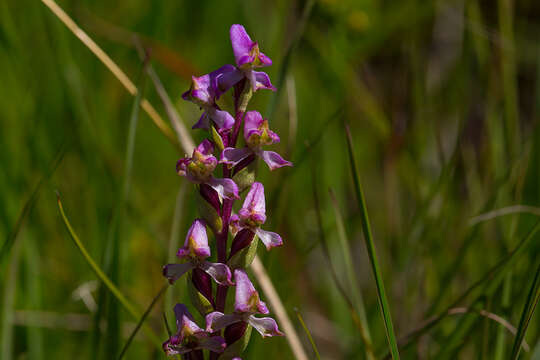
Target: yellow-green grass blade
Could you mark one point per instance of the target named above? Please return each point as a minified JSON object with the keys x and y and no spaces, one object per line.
{"x":130,"y":308}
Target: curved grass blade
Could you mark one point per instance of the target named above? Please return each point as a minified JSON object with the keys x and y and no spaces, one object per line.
{"x":141,"y":321}
{"x":308,"y":333}
{"x":351,"y":276}
{"x":101,"y":275}
{"x":301,"y":25}
{"x":112,"y":66}
{"x":29,"y":205}
{"x":370,"y":245}
{"x":490,"y":274}
{"x":326,"y":253}
{"x":526,"y":315}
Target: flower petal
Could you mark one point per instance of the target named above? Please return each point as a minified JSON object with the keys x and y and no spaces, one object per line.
{"x":254,"y":206}
{"x":196,"y":244}
{"x":203,"y":123}
{"x":213,"y":343}
{"x":225,"y":78}
{"x":262,"y":81}
{"x":246,"y":297}
{"x":222,"y":118}
{"x":219,"y":272}
{"x":273,"y":159}
{"x":181,"y":166}
{"x":174,"y":347}
{"x":174,"y":271}
{"x":233,"y":156}
{"x":226,"y":188}
{"x":265,"y":326}
{"x":252,"y":122}
{"x":205,"y":147}
{"x":241,"y":44}
{"x":269,"y":239}
{"x":216,"y":320}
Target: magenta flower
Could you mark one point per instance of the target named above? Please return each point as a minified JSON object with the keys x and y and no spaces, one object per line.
{"x":195,"y":251}
{"x":248,"y":57}
{"x":205,"y":90}
{"x":199,"y":168}
{"x":257,"y":134}
{"x":190,"y":337}
{"x":253,"y":214}
{"x":247,"y":303}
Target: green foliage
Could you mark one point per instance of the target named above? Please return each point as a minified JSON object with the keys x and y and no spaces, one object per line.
{"x":443,"y":103}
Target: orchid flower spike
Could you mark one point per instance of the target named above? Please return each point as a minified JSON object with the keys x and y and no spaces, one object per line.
{"x":190,"y":337}
{"x":253,"y":214}
{"x":206,"y":89}
{"x":248,"y":56}
{"x":247,"y":303}
{"x":257,"y":134}
{"x":195,"y":251}
{"x":199,"y":168}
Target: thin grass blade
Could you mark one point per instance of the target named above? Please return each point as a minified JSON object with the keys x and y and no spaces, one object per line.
{"x":141,"y":321}
{"x":370,"y":245}
{"x":351,"y":276}
{"x":308,"y":333}
{"x":527,"y":313}
{"x":104,"y":278}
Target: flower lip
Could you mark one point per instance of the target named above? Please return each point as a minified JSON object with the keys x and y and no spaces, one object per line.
{"x":247,"y":298}
{"x":246,"y":51}
{"x":196,"y":243}
{"x":256,"y":131}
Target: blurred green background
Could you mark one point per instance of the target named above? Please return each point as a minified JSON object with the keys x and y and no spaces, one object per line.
{"x":443,"y":101}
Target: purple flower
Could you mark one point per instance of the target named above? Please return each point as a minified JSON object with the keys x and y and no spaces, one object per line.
{"x":190,"y":337}
{"x":253,"y":214}
{"x":199,"y":168}
{"x":248,"y":57}
{"x":206,"y":89}
{"x":247,"y":303}
{"x":256,"y":134}
{"x":195,"y":251}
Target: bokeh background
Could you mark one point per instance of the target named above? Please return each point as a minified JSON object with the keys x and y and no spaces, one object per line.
{"x":443,"y":102}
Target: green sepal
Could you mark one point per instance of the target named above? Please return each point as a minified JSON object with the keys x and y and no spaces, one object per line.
{"x":244,"y":257}
{"x":217,"y":139}
{"x":201,"y":303}
{"x":244,"y":178}
{"x":238,"y":347}
{"x":210,"y":215}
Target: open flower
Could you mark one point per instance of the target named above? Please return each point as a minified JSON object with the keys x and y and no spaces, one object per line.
{"x":247,"y":303}
{"x":206,"y":89}
{"x":253,"y":214}
{"x":248,"y":57}
{"x":190,"y":337}
{"x":257,"y":134}
{"x":199,"y":168}
{"x":195,"y":251}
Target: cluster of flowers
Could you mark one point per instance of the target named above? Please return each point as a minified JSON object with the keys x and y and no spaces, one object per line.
{"x":218,"y":195}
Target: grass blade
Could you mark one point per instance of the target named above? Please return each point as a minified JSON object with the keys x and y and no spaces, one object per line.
{"x":141,"y":321}
{"x":112,"y":66}
{"x":370,"y":245}
{"x":28,"y":206}
{"x":104,"y":278}
{"x":526,"y":315}
{"x":326,"y":253}
{"x":308,"y":333}
{"x":277,"y":305}
{"x":351,"y":276}
{"x":490,"y":274}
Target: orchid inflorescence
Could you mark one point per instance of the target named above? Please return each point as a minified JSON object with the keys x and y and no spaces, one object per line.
{"x":224,"y":331}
